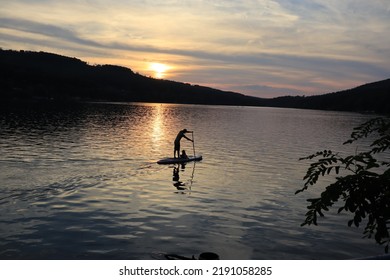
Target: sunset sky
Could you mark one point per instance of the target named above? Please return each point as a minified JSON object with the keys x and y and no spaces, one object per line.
{"x":264,"y":48}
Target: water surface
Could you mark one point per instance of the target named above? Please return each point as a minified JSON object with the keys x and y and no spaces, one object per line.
{"x":81,"y":182}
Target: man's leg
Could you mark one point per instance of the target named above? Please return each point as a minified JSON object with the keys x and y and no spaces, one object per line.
{"x":176,"y":149}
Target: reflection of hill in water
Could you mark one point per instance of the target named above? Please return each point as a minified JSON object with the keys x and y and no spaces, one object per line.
{"x":43,"y":76}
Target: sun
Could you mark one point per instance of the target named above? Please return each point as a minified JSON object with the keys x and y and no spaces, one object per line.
{"x":159,"y":69}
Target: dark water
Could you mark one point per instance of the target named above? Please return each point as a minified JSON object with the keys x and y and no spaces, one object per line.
{"x":82,"y":182}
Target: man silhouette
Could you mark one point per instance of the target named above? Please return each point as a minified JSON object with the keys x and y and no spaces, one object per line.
{"x":179,"y":136}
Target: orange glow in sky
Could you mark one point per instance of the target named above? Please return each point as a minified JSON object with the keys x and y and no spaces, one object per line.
{"x":264,"y":48}
{"x":159,"y":69}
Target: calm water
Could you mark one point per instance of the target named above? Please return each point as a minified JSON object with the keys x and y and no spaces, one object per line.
{"x":82,"y":183}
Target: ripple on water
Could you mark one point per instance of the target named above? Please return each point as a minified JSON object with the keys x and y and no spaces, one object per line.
{"x":82,"y":183}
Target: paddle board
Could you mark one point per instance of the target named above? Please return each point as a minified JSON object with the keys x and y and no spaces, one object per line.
{"x":179,"y":160}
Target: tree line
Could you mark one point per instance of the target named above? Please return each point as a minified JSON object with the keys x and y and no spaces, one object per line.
{"x":28,"y":75}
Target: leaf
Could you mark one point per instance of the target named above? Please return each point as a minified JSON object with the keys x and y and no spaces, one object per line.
{"x":325,"y":208}
{"x":364,"y":192}
{"x":299,"y":191}
{"x":315,"y":219}
{"x":357,"y":220}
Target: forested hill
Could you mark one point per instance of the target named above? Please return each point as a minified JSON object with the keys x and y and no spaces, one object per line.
{"x":45,"y":76}
{"x":36,"y":76}
{"x":372,"y":97}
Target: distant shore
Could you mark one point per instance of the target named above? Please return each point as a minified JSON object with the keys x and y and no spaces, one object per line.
{"x":28,"y":76}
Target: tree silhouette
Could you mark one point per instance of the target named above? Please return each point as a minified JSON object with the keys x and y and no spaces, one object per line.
{"x":365,"y":189}
{"x":41,"y":76}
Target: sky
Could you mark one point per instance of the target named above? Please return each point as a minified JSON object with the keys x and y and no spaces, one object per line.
{"x":263,"y":48}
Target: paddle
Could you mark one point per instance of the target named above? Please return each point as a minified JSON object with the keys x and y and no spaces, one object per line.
{"x":193,"y":142}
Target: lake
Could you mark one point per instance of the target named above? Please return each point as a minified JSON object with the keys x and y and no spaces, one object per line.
{"x":81,"y":182}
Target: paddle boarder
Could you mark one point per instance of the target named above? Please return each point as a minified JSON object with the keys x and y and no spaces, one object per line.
{"x":179,"y":136}
{"x":183,"y":154}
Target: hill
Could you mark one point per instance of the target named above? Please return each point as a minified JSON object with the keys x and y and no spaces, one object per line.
{"x":372,"y":97}
{"x":26,"y":75}
{"x":36,"y":76}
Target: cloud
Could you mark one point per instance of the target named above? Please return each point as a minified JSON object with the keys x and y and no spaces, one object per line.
{"x":260,"y":59}
{"x":266,"y":91}
{"x":48,"y":30}
{"x":311,"y":46}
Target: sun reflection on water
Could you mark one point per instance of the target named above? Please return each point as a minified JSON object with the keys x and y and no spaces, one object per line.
{"x":158,"y":127}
